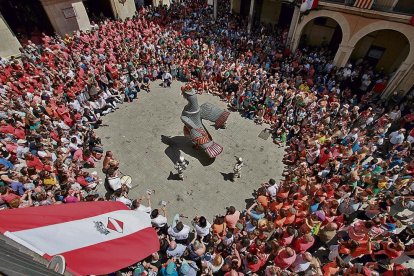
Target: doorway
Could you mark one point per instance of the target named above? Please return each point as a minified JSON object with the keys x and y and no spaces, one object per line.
{"x":99,"y":9}
{"x":27,"y":19}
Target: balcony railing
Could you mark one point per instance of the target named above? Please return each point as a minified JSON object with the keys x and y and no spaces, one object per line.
{"x":394,"y":6}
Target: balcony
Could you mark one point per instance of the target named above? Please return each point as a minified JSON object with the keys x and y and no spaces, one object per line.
{"x":394,"y":6}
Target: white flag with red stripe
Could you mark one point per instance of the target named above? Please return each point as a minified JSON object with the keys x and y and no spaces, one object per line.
{"x":308,"y":5}
{"x":94,"y":237}
{"x":363,"y":4}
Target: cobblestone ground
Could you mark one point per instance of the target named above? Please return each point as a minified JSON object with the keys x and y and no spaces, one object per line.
{"x":135,"y":135}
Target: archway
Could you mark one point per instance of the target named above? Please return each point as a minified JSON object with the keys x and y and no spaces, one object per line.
{"x":26,"y":18}
{"x":321,"y":32}
{"x":99,"y":9}
{"x":305,"y":19}
{"x":382,"y":50}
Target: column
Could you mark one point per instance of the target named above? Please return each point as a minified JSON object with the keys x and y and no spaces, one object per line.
{"x":293,"y":26}
{"x":342,"y":55}
{"x":9,"y":45}
{"x":231,"y":6}
{"x":66,"y":16}
{"x":123,"y":10}
{"x":215,"y":6}
{"x":251,"y":11}
{"x":402,"y":80}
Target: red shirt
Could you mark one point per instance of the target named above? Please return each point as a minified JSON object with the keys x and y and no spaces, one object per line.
{"x":283,"y":260}
{"x":301,"y":245}
{"x":35,"y":163}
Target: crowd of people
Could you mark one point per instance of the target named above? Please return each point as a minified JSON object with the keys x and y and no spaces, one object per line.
{"x":345,"y":205}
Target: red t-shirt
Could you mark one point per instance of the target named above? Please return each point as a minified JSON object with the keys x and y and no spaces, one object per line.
{"x":283,"y":260}
{"x":35,"y":163}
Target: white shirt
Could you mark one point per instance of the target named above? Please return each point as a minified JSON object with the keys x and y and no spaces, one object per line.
{"x":182,"y":235}
{"x":21,"y":150}
{"x":177,"y":252}
{"x":202,"y":232}
{"x":300,"y":264}
{"x":272,"y":190}
{"x":167,"y":76}
{"x":396,"y":138}
{"x":124,"y":200}
{"x":159,"y":221}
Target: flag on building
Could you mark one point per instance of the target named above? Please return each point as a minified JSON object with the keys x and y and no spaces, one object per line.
{"x":363,"y":4}
{"x":308,"y":5}
{"x":93,"y":237}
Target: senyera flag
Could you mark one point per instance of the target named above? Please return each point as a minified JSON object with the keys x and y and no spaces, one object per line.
{"x":364,"y":4}
{"x":94,"y":237}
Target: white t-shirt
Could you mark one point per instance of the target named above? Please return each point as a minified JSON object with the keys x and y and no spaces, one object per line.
{"x":299,"y":265}
{"x":272,"y":190}
{"x":182,"y":235}
{"x":202,"y":232}
{"x":159,"y":221}
{"x":177,"y":252}
{"x":124,"y":200}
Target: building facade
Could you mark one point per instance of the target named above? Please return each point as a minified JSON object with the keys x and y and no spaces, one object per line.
{"x":380,"y":31}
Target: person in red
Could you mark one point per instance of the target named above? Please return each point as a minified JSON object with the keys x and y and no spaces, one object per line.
{"x":391,"y":249}
{"x":380,"y":86}
{"x":254,"y":263}
{"x":285,"y":258}
{"x":332,"y":268}
{"x":324,"y":155}
{"x":303,"y":243}
{"x":63,"y":112}
{"x":34,"y":162}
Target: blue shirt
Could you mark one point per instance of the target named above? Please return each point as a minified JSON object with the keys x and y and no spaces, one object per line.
{"x":6,"y":163}
{"x":256,"y":216}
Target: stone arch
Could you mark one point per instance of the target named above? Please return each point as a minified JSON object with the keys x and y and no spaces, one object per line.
{"x":336,"y":16}
{"x":404,"y":29}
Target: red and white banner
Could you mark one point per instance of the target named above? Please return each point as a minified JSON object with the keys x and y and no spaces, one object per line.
{"x":94,"y":237}
{"x":363,"y":4}
{"x":308,"y":5}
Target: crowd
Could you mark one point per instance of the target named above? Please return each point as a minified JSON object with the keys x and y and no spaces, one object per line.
{"x":346,"y":203}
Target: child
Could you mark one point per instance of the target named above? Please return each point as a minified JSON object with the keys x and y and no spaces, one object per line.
{"x":281,"y":137}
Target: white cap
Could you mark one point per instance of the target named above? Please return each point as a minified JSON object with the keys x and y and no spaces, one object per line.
{"x":239,"y":159}
{"x":181,"y":159}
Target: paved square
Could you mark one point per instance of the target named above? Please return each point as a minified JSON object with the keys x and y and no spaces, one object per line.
{"x":135,"y":135}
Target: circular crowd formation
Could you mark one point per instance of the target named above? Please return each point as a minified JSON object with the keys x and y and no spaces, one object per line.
{"x":345,"y":205}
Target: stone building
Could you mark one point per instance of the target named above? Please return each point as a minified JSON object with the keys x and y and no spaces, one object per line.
{"x":381,"y":32}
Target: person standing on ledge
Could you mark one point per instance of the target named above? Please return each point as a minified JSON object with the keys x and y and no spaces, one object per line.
{"x":237,"y":168}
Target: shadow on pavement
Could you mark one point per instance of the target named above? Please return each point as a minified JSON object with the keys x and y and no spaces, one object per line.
{"x":249,"y":202}
{"x":227,"y":176}
{"x":182,"y":143}
{"x":174,"y":176}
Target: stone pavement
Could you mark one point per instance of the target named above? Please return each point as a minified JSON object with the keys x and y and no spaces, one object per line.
{"x":135,"y":133}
